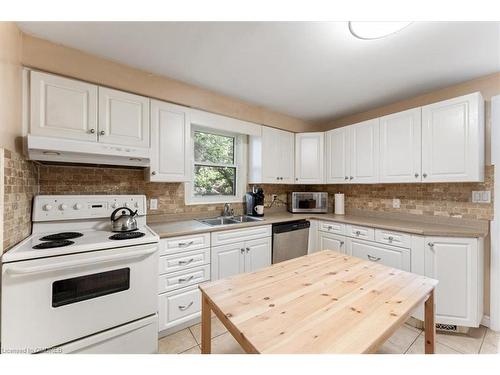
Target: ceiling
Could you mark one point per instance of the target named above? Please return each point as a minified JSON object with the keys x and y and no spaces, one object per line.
{"x":315,"y":71}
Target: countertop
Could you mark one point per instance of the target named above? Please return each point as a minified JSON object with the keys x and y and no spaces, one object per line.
{"x":420,"y":227}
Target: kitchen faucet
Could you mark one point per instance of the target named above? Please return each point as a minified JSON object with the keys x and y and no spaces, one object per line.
{"x":228,"y":211}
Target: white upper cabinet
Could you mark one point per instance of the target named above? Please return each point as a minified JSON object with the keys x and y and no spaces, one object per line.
{"x":453,"y":140}
{"x":63,"y":108}
{"x":337,"y":156}
{"x":170,"y":142}
{"x":364,"y":141}
{"x":309,"y":158}
{"x":400,"y":146}
{"x":271,"y":157}
{"x":123,"y":118}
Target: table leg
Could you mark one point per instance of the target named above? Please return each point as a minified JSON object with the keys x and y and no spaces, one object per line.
{"x":430,"y":324}
{"x":206,"y":325}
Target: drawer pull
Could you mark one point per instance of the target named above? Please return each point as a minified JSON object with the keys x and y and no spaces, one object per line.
{"x":372,"y":258}
{"x":247,"y":249}
{"x":341,"y":243}
{"x":329,"y":227}
{"x":431,"y":245}
{"x":184,"y":244}
{"x":186,"y":279}
{"x":242,"y":250}
{"x":185,"y":307}
{"x":390,"y":238}
{"x":357,"y":233}
{"x":184,"y":262}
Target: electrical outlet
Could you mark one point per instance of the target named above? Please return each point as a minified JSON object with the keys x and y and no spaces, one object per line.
{"x":396,"y":203}
{"x":274,"y":197}
{"x":153,"y":204}
{"x":481,"y":196}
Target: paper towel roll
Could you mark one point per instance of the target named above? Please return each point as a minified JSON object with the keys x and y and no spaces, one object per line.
{"x":339,"y":204}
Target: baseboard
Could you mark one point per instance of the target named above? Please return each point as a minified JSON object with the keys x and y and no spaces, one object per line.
{"x":485,"y":321}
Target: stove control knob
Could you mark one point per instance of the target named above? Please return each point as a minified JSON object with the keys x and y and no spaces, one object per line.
{"x":127,"y":204}
{"x":47,"y":207}
{"x":63,"y":207}
{"x":78,"y":206}
{"x":136,"y":204}
{"x":114,"y":205}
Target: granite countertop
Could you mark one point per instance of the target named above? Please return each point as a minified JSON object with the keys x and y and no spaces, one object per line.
{"x":419,"y":226}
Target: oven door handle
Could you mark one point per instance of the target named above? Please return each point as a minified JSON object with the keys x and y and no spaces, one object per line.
{"x":77,"y":263}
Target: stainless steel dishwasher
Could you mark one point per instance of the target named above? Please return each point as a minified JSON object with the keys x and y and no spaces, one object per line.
{"x":290,"y":240}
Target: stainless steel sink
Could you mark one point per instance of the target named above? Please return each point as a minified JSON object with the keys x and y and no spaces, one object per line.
{"x":225,"y":220}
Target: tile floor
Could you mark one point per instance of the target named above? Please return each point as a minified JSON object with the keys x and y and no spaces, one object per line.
{"x":407,"y":340}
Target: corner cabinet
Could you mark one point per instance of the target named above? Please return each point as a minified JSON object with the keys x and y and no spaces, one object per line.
{"x":271,"y":157}
{"x":453,"y":140}
{"x":309,"y":158}
{"x":170,"y":143}
{"x":458,"y":265}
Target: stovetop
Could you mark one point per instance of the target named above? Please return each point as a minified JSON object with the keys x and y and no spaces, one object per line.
{"x":42,"y":245}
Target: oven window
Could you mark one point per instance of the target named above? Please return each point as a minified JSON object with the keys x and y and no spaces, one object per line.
{"x":65,"y":292}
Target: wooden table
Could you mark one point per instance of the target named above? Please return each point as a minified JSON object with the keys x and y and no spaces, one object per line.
{"x":326,"y":302}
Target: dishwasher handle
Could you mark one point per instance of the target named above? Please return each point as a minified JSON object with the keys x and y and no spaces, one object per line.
{"x":291,"y":226}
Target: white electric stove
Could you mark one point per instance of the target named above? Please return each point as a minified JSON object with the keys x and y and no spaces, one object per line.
{"x":74,"y":286}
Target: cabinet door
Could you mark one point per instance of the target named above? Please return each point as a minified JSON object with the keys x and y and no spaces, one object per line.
{"x":453,"y":140}
{"x":258,"y":254}
{"x":63,"y":108}
{"x":286,"y":156}
{"x":123,"y":118}
{"x":455,"y":263}
{"x":271,"y":158}
{"x":390,"y":256}
{"x":170,"y":132}
{"x":337,"y":156}
{"x":400,"y":146}
{"x":227,"y":260}
{"x":328,"y":241}
{"x":309,"y":158}
{"x":364,"y":139}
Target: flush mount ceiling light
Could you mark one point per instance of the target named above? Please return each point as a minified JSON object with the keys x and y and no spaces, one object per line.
{"x":375,"y":30}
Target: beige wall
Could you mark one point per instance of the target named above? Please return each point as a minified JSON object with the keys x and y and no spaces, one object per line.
{"x":488,"y":86}
{"x":10,"y":86}
{"x":44,"y":55}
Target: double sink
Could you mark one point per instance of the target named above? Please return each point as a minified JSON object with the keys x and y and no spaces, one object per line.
{"x":229,"y":220}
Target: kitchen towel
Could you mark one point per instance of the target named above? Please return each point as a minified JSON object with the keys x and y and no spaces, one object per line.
{"x":339,"y":204}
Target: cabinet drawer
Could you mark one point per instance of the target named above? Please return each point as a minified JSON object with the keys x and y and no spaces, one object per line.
{"x":390,"y":256}
{"x":360,"y":232}
{"x":181,"y":261}
{"x":176,"y":280}
{"x":237,"y":235}
{"x":332,"y":227}
{"x":393,"y":238}
{"x":179,"y":306}
{"x":185,"y":243}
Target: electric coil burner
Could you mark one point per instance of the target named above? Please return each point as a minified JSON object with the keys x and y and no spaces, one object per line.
{"x":126,"y":235}
{"x":52,"y":244}
{"x":61,"y":236}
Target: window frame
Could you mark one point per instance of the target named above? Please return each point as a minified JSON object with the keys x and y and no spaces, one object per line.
{"x":240,"y":148}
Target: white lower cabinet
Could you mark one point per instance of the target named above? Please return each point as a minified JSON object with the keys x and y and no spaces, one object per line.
{"x":457,"y":263}
{"x":246,"y":255}
{"x":178,"y":307}
{"x":330,"y":241}
{"x":390,"y":256}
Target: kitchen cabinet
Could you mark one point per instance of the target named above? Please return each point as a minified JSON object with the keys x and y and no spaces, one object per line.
{"x":271,"y":157}
{"x":453,"y":140}
{"x":330,"y":241}
{"x":387,"y":255}
{"x":309,"y":158}
{"x":338,"y":156}
{"x":458,"y":265}
{"x":170,"y":143}
{"x":364,"y":142}
{"x":257,"y":254}
{"x":123,"y":118}
{"x":62,"y":107}
{"x":400,"y":147}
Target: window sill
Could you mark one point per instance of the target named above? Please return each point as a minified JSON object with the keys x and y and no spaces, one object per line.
{"x":213,"y":201}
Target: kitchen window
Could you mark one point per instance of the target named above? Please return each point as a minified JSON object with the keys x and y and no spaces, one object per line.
{"x":217,"y":169}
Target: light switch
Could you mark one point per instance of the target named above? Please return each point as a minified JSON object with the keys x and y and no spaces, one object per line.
{"x":153,"y":204}
{"x":481,"y":196}
{"x":396,"y":203}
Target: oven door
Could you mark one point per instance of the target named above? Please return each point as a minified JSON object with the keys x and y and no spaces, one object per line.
{"x":52,"y":301}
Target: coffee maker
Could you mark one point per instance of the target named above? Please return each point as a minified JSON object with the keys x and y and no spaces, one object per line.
{"x":255,"y":202}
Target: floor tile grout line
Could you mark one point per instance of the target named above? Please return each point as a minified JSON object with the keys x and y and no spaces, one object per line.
{"x":482,"y":341}
{"x":413,"y":342}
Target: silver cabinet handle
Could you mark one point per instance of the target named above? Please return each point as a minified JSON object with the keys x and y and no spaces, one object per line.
{"x":341,"y":243}
{"x":431,"y":245}
{"x":248,"y":249}
{"x":424,"y":175}
{"x":277,"y":178}
{"x":186,"y":279}
{"x":184,"y":244}
{"x":153,"y":173}
{"x":350,"y":178}
{"x":390,"y":238}
{"x":416,"y":175}
{"x":372,"y":258}
{"x":183,"y":262}
{"x":242,"y":250}
{"x":329,"y":227}
{"x":102,"y":132}
{"x":185,"y":307}
{"x":92,"y":131}
{"x":296,"y":178}
{"x":357,"y":233}
{"x":346,"y":177}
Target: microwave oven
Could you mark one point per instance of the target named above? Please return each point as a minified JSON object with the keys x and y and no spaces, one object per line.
{"x":300,"y":202}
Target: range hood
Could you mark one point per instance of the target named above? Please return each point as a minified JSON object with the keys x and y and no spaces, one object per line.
{"x":73,"y":151}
